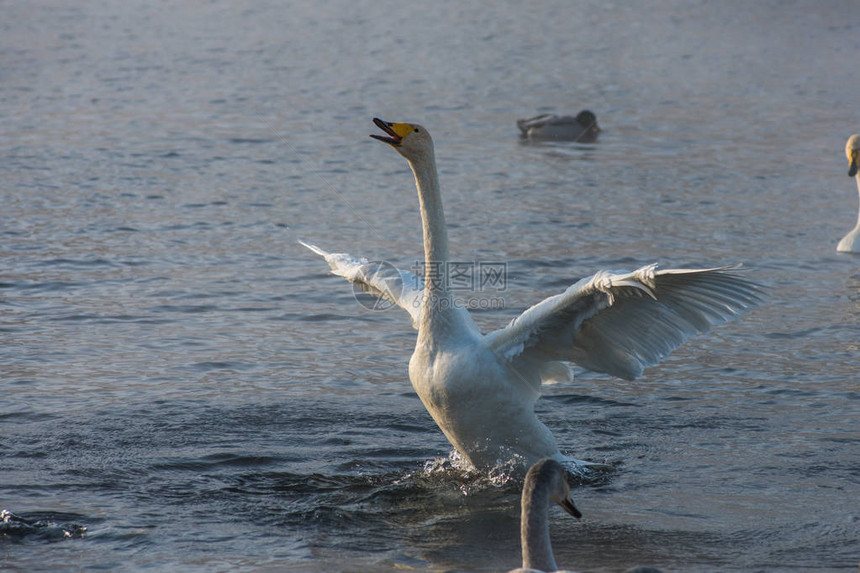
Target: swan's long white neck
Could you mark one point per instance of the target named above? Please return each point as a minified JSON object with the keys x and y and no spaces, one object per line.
{"x":850,"y":243}
{"x":534,"y":530}
{"x":435,"y":233}
{"x":857,"y":178}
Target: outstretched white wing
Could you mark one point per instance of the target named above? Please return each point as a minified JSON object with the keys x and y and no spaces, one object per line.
{"x":620,"y":322}
{"x":381,"y":280}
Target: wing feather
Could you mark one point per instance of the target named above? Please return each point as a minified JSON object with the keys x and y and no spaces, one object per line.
{"x":621,"y":322}
{"x":381,"y":280}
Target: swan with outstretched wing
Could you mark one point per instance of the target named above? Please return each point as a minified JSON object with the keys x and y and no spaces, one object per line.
{"x":481,"y":389}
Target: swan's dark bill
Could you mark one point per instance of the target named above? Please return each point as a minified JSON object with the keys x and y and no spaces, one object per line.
{"x":568,"y":506}
{"x":388,"y":128}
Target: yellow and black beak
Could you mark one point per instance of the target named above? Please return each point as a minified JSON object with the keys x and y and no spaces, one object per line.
{"x":396,"y":131}
{"x":567,"y":505}
{"x":852,"y":168}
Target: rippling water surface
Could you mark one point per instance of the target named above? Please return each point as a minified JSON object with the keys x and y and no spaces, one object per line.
{"x":182,"y":379}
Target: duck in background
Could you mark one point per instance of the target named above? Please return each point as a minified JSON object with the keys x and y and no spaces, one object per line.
{"x":549,"y":127}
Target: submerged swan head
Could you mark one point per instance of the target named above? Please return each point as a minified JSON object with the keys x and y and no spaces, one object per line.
{"x":852,"y":151}
{"x":411,"y":140}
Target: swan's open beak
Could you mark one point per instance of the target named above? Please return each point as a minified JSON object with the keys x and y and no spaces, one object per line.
{"x":568,"y":506}
{"x":852,"y":169}
{"x":396,"y":131}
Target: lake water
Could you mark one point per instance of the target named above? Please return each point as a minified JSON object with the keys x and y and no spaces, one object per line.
{"x":184,"y":380}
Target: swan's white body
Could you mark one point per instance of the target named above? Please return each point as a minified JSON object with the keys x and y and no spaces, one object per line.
{"x":583,"y":127}
{"x":850,"y":243}
{"x":481,"y":389}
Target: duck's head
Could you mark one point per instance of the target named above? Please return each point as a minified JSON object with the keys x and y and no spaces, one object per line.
{"x":409,"y":139}
{"x":852,"y":151}
{"x":551,"y":474}
{"x":588,"y":120}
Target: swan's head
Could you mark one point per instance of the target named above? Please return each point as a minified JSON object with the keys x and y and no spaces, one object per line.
{"x":409,"y":139}
{"x":550,"y":476}
{"x":852,"y":151}
{"x":587,"y":119}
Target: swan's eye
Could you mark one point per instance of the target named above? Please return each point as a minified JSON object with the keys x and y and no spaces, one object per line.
{"x":417,"y":130}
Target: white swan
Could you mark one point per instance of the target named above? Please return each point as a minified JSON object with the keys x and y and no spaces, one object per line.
{"x":546,"y":481}
{"x":850,"y":243}
{"x":481,"y":389}
{"x":581,"y":128}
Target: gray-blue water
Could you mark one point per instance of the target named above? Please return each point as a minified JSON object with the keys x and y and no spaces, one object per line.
{"x":184,"y":380}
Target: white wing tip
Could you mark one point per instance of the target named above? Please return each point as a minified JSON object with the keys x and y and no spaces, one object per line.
{"x":314,"y":248}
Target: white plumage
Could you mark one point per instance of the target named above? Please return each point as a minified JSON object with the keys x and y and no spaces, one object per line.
{"x":850,"y":243}
{"x":481,"y":389}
